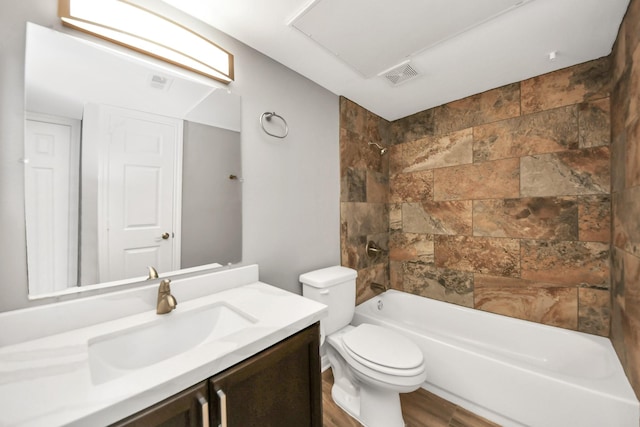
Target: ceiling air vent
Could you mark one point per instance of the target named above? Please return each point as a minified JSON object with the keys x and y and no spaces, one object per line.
{"x":400,"y":74}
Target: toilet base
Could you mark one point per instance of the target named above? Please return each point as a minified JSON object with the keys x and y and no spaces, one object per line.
{"x":372,"y":407}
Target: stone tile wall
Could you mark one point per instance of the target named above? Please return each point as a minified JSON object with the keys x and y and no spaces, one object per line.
{"x":625,"y":167}
{"x":364,"y":194}
{"x":499,"y":201}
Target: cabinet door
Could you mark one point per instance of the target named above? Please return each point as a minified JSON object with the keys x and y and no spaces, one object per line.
{"x":185,"y":409}
{"x":279,"y":387}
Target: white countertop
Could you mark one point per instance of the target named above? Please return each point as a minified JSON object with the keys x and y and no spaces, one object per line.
{"x":47,"y":381}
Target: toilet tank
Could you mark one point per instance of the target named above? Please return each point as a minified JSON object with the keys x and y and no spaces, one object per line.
{"x":336,"y":288}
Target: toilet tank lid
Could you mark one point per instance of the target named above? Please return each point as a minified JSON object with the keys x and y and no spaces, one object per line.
{"x":329,"y":276}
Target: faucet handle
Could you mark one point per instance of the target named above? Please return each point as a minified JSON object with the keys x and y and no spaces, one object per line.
{"x":153,"y":274}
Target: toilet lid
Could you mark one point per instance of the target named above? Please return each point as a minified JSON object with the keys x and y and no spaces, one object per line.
{"x":383,"y":347}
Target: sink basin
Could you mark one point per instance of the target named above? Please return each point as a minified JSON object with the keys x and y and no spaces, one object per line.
{"x":115,"y":354}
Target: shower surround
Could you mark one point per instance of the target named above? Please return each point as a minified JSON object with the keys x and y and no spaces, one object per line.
{"x":499,"y":201}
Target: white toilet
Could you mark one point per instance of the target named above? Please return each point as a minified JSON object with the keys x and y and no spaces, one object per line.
{"x":371,"y":364}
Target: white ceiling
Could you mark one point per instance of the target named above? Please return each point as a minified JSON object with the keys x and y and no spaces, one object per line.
{"x":457,"y":47}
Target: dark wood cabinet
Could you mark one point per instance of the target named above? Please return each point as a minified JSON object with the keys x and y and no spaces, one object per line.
{"x":280,"y":386}
{"x":185,"y":409}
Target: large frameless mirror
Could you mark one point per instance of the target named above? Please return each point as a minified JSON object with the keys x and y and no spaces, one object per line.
{"x":128,"y":164}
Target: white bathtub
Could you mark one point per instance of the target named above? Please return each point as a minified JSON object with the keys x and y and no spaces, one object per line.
{"x":513,"y":372}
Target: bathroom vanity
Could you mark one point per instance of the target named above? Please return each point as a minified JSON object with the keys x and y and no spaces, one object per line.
{"x":279,"y":386}
{"x":234,"y":347}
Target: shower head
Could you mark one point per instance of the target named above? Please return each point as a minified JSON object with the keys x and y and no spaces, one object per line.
{"x":380,"y":147}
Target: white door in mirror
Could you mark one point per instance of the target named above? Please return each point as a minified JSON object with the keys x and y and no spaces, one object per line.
{"x":51,"y":192}
{"x":140,"y":199}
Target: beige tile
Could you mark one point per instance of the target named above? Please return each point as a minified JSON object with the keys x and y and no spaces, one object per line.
{"x":411,"y":247}
{"x":446,"y":217}
{"x":436,"y":152}
{"x":568,"y":173}
{"x":488,"y":180}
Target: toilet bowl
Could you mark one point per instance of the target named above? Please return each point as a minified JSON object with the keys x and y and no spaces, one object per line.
{"x":371,"y":364}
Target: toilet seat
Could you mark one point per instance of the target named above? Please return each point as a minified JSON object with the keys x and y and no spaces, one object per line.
{"x":383,"y":350}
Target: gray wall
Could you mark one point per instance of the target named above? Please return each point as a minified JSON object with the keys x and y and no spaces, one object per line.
{"x":211,"y":202}
{"x":290,"y":189}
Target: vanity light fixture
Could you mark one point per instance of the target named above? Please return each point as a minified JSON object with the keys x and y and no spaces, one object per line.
{"x":130,"y":25}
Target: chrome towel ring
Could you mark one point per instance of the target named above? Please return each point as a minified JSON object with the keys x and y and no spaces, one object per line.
{"x":268,"y":116}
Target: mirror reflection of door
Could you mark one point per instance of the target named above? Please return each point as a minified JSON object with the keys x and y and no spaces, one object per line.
{"x":138,"y":199}
{"x":51,"y":189}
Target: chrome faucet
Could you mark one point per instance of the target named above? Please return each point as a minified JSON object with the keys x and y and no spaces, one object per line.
{"x":166,"y":301}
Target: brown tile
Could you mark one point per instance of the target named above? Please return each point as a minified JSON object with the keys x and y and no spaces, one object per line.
{"x":564,"y":174}
{"x":573,"y":85}
{"x":395,"y":275}
{"x":631,"y":318}
{"x":353,"y":186}
{"x":594,"y":218}
{"x":632,"y":157}
{"x":395,"y":216}
{"x":375,"y":273}
{"x":530,"y":218}
{"x":411,"y":187}
{"x":626,"y":227}
{"x":437,"y":283}
{"x":490,"y":106}
{"x":594,"y":311}
{"x":395,"y":159}
{"x":411,"y":247}
{"x":534,"y":301}
{"x":447,"y":217}
{"x":543,"y":132}
{"x":618,"y":162}
{"x":361,"y":121}
{"x":435,"y":152}
{"x":500,"y":257}
{"x":365,"y":218}
{"x":594,"y":121}
{"x":355,"y":153}
{"x":567,"y":263}
{"x":617,"y":303}
{"x":352,"y":116}
{"x":497,"y":179}
{"x":416,"y":126}
{"x":634,"y":90}
{"x":377,"y":187}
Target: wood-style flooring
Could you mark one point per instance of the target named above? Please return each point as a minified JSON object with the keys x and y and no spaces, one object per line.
{"x":419,"y":409}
